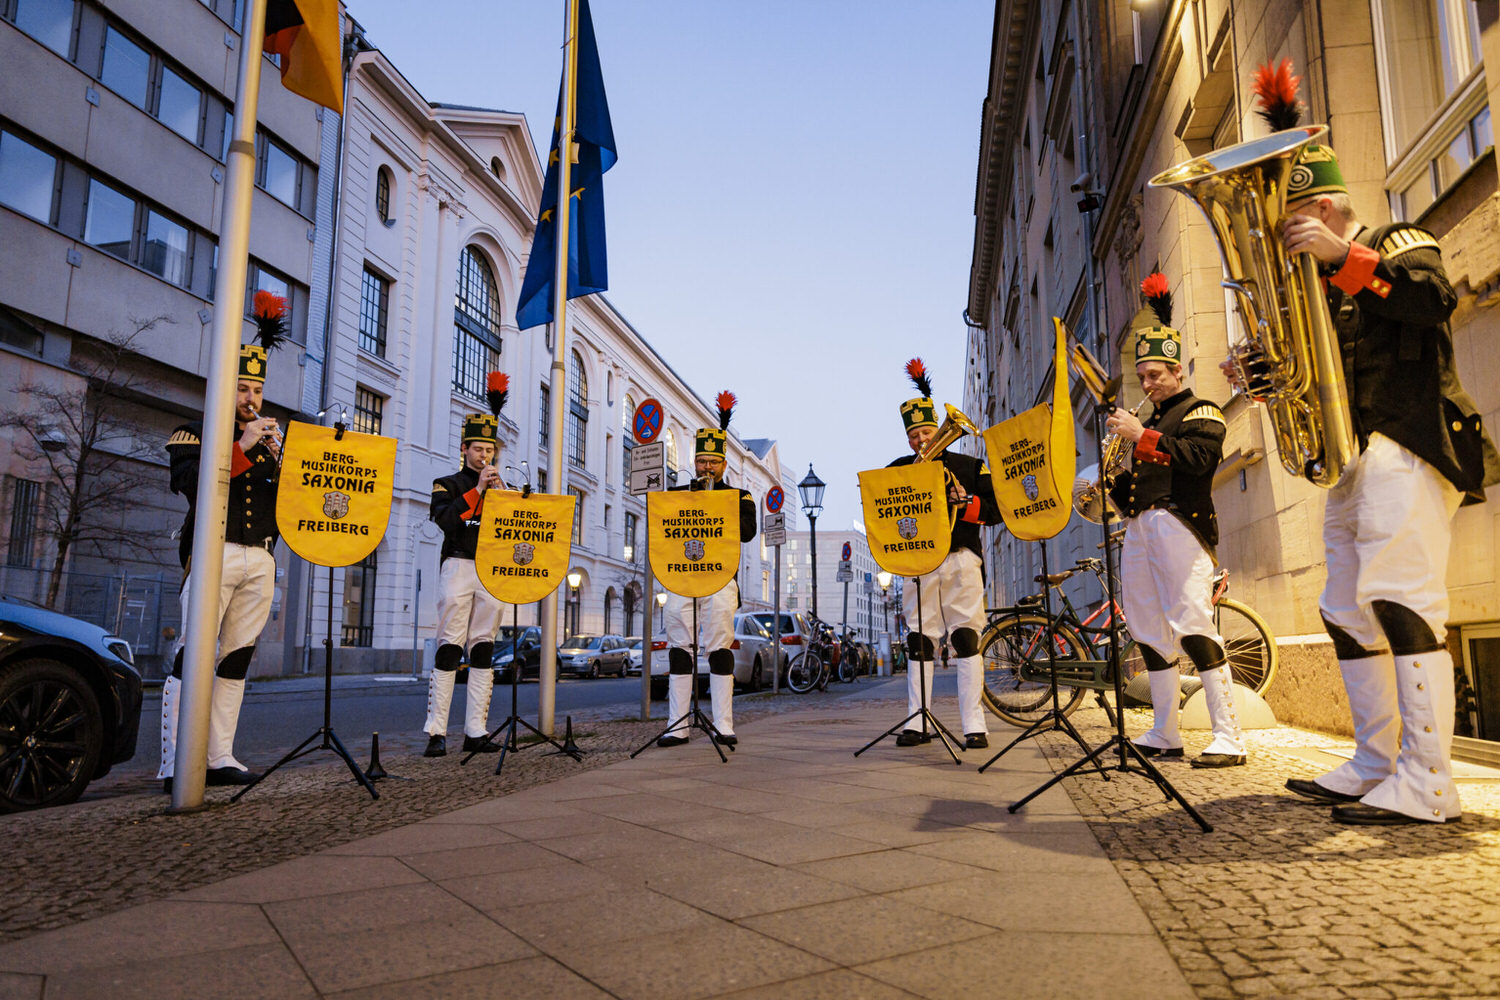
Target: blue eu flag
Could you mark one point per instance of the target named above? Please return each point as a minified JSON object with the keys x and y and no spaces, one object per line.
{"x":587,"y":269}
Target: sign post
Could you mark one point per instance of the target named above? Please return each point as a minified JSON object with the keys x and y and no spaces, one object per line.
{"x":773,"y":531}
{"x":645,"y":425}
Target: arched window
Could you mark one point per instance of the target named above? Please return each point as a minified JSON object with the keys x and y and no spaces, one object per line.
{"x":383,"y":195}
{"x":609,"y":610}
{"x":578,"y":412}
{"x":476,"y":322}
{"x":627,"y":599}
{"x":497,"y":168}
{"x":627,"y":438}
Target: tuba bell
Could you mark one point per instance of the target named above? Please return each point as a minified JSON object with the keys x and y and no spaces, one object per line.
{"x":955,"y":425}
{"x":1290,"y":359}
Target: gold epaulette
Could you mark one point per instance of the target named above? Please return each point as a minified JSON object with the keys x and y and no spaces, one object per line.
{"x":1205,"y":411}
{"x":182,"y":437}
{"x":1405,"y":239}
{"x":439,"y":488}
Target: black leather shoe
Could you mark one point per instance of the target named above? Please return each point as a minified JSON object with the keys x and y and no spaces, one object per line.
{"x":1218,"y":760}
{"x":166,"y":785}
{"x":1359,"y":814}
{"x":1316,"y":792}
{"x":223,"y":776}
{"x":480,"y":744}
{"x":437,"y":746}
{"x":1149,"y":751}
{"x":912,"y":738}
{"x":726,"y":739}
{"x":671,"y":741}
{"x":975,"y":741}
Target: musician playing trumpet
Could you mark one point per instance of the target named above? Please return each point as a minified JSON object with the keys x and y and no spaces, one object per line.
{"x":952,"y":596}
{"x":1167,"y":565}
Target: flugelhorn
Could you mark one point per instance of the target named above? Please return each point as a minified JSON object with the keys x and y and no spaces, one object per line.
{"x":275,"y":435}
{"x":1091,"y":487}
{"x":955,"y":425}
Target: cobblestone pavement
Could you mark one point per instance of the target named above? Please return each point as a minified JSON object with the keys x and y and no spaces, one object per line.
{"x":120,"y":848}
{"x":1280,"y":901}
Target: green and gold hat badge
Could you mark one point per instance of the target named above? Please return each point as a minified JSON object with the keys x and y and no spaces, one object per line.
{"x":922,"y":411}
{"x":1158,"y":342}
{"x":1316,"y":170}
{"x":713,"y":442}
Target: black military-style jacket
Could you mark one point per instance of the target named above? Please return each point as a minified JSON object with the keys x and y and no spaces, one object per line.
{"x":455,"y":509}
{"x":982,"y":509}
{"x":1390,"y":303}
{"x":1172,"y":466}
{"x":747,"y":506}
{"x":252,"y":489}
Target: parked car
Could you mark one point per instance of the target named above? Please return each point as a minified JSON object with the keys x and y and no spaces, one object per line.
{"x":795,"y":632}
{"x":70,"y":705}
{"x":506,"y":648}
{"x":752,"y":648}
{"x":633,"y":654}
{"x":592,"y":655}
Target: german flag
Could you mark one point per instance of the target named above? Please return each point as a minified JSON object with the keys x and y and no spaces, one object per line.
{"x":305,"y":34}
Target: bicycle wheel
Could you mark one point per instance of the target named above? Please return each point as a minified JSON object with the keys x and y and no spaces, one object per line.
{"x":1006,"y":648}
{"x":1248,"y":644}
{"x":803,"y":672}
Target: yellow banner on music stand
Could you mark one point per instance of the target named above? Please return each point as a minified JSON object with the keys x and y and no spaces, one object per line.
{"x":333,"y":501}
{"x":525,"y":544}
{"x":1033,"y":459}
{"x":906,"y":517}
{"x":695,"y":539}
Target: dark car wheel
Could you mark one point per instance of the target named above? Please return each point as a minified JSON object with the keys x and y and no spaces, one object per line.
{"x":51,"y":735}
{"x":594,"y":671}
{"x":756,"y":680}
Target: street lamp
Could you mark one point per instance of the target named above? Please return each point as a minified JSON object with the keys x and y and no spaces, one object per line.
{"x":811,"y":489}
{"x":884,"y":579}
{"x":574,"y":578}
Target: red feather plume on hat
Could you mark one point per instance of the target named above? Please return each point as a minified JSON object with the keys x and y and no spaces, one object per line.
{"x":1158,"y":293}
{"x":269,"y":310}
{"x":497,"y":388}
{"x":1276,"y":90}
{"x":725,"y":402}
{"x":917,"y":372}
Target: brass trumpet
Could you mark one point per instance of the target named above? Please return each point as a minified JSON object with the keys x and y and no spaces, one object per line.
{"x":1091,"y":487}
{"x":954,"y":426}
{"x":275,"y":435}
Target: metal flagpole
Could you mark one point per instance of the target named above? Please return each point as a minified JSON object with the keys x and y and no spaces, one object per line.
{"x":547,"y":674}
{"x":212,"y":503}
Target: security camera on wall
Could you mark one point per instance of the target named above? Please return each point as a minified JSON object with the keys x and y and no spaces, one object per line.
{"x":1081,"y":182}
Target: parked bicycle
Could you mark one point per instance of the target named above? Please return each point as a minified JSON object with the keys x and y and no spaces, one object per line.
{"x":1017,"y":675}
{"x":809,"y":669}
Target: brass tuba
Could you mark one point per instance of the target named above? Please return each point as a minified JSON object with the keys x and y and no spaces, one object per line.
{"x":955,"y":425}
{"x":1290,"y":358}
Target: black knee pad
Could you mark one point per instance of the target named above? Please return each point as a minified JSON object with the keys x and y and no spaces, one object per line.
{"x":1203,"y":651}
{"x":177,"y":664}
{"x":1405,"y":629}
{"x":236,"y":665}
{"x":679,"y":661}
{"x":447,"y":657}
{"x":919,"y":647}
{"x":482,"y":654}
{"x":1344,"y":646}
{"x":1154,"y":660}
{"x":965,"y":642}
{"x":721,"y":662}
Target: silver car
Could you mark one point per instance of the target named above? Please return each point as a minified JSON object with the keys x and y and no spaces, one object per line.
{"x":592,"y":655}
{"x":754,"y":652}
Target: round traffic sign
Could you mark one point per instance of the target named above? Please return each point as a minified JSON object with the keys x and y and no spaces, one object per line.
{"x":848,"y":551}
{"x":646,"y":424}
{"x":774,"y":499}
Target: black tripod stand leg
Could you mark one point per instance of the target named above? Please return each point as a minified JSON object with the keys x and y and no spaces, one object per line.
{"x":889,"y":732}
{"x":1042,"y":725}
{"x":942,"y":732}
{"x":1150,"y":770}
{"x":293,"y":755}
{"x":338,"y":748}
{"x":1071,"y":769}
{"x":547,"y":739}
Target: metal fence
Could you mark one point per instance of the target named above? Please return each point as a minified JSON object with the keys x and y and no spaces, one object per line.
{"x":139,"y":608}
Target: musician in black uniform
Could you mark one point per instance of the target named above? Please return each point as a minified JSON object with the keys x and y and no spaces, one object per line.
{"x":952,"y":596}
{"x":468,"y":615}
{"x":1388,"y":523}
{"x":715,"y":613}
{"x":1167,"y":565}
{"x":249,"y":566}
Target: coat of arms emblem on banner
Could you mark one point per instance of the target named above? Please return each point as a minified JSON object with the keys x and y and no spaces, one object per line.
{"x":906,"y":527}
{"x":1028,"y":483}
{"x":336,"y":504}
{"x":693,"y":549}
{"x":523,"y":553}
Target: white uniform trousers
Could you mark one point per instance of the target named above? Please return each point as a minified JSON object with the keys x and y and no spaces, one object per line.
{"x":1387,"y":530}
{"x":952,"y":598}
{"x":245,"y":590}
{"x":467,"y":615}
{"x":716,"y":631}
{"x":1166,"y":583}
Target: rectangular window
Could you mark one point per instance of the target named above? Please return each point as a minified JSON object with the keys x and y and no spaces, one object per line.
{"x":577,"y":517}
{"x":609,"y":446}
{"x":165,"y":252}
{"x":28,"y":178}
{"x":109,"y":222}
{"x":49,"y":22}
{"x":374,"y":298}
{"x":25,"y":502}
{"x":127,"y":68}
{"x":278,"y":172}
{"x":473,"y":360}
{"x":179,"y":105}
{"x":631,"y":522}
{"x":359,"y":603}
{"x":541,"y":480}
{"x":607,"y":512}
{"x":629,"y":441}
{"x":262,"y":279}
{"x":369,"y":408}
{"x":544,"y":424}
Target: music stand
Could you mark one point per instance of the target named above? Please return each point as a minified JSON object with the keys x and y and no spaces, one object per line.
{"x":924,"y":713}
{"x":694,"y":716}
{"x":1131,"y":760}
{"x":1053,"y":720}
{"x":514,"y":719}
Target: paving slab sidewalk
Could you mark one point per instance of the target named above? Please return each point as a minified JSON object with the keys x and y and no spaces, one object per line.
{"x":795,"y":870}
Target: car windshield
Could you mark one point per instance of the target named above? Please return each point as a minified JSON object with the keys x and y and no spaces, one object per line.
{"x":787,"y":625}
{"x":584,"y":642}
{"x":634,"y":644}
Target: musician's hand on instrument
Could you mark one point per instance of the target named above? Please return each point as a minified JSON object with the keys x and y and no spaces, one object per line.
{"x":1232,"y":373}
{"x":489,"y":478}
{"x":254,"y":431}
{"x":956,"y":495}
{"x":1125,"y":424}
{"x":1309,"y":234}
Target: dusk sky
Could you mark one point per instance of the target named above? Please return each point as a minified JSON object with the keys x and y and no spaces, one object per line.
{"x":791,"y":216}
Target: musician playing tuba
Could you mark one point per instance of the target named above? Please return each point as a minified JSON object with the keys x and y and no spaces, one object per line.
{"x":1167,"y":565}
{"x":1422,"y":453}
{"x":952,"y":595}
